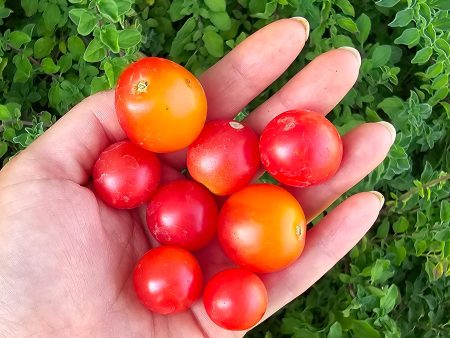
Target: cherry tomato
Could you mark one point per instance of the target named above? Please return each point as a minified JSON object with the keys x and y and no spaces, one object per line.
{"x":125,"y":175}
{"x":235,"y":299}
{"x":168,"y":280}
{"x":160,"y":105}
{"x":225,"y":157}
{"x":262,"y":228}
{"x":300,"y":148}
{"x":183,"y":213}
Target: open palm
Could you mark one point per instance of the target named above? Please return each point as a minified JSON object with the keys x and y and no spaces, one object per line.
{"x":66,"y":258}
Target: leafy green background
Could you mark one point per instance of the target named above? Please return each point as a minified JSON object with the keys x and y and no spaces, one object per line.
{"x":395,"y":283}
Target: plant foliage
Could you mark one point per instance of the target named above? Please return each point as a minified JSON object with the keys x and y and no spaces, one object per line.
{"x":396,"y":282}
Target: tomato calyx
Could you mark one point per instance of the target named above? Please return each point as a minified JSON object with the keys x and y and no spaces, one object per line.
{"x":298,"y":231}
{"x":140,"y":87}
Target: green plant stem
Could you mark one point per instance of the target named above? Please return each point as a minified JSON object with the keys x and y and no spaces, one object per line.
{"x":415,"y":190}
{"x":32,"y":59}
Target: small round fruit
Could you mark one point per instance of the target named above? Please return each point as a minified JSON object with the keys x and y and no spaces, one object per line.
{"x":235,"y":299}
{"x":183,"y":213}
{"x":301,"y":148}
{"x":160,"y":105}
{"x":225,"y":157}
{"x":168,"y":280}
{"x":125,"y":175}
{"x":262,"y":228}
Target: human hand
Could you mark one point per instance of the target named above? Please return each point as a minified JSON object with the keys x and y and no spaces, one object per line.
{"x":67,"y":258}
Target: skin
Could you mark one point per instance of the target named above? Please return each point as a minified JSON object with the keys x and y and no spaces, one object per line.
{"x":67,"y":258}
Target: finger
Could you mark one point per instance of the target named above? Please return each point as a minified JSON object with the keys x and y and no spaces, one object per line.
{"x":320,"y":86}
{"x":326,"y":244}
{"x":365,"y":147}
{"x":247,"y":70}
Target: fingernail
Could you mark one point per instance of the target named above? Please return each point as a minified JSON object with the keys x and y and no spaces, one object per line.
{"x":391,"y":130}
{"x":305,"y":24}
{"x":379,"y":196}
{"x":354,"y":52}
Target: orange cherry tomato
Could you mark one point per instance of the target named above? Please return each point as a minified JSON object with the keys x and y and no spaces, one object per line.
{"x":262,"y":228}
{"x":160,"y":105}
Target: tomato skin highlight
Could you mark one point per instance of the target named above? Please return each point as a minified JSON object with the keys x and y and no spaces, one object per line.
{"x":235,"y":299}
{"x":301,"y":148}
{"x":167,"y":280}
{"x":183,"y":213}
{"x":160,"y":105}
{"x":225,"y":157}
{"x":262,"y":228}
{"x":126,"y":175}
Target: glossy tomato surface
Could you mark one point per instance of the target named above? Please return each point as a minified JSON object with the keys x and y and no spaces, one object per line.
{"x":235,"y":299}
{"x":262,"y":228}
{"x":183,"y":213}
{"x":160,"y":105}
{"x":225,"y":157}
{"x":126,"y":175}
{"x":168,"y":280}
{"x":301,"y":148}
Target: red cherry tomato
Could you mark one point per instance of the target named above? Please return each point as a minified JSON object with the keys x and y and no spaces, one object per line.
{"x":262,"y":228}
{"x":183,"y":213}
{"x":125,"y":175}
{"x":300,"y":148}
{"x":168,"y":280}
{"x":235,"y":299}
{"x":160,"y":105}
{"x":225,"y":157}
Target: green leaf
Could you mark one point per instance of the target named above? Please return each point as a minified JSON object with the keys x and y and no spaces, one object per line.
{"x":388,"y":301}
{"x":65,"y":63}
{"x":123,"y":6}
{"x":442,"y":4}
{"x":5,"y":115}
{"x":18,"y":38}
{"x":362,"y":328}
{"x":443,"y":235}
{"x":3,"y":148}
{"x":387,"y":3}
{"x":216,"y":5}
{"x":347,"y":24}
{"x":335,"y":331}
{"x":221,"y":20}
{"x":409,"y":37}
{"x":213,"y":43}
{"x":381,"y":55}
{"x":445,"y":211}
{"x":5,"y":12}
{"x":346,"y":7}
{"x":381,"y":271}
{"x":48,"y":66}
{"x":98,"y":84}
{"x":23,"y":68}
{"x":440,"y":82}
{"x":76,"y":46}
{"x":129,"y":37}
{"x":434,"y":70}
{"x":84,"y":19}
{"x":109,"y":9}
{"x":95,"y":51}
{"x":401,"y":225}
{"x":43,"y":47}
{"x":110,"y":37}
{"x":402,"y":18}
{"x":364,"y":26}
{"x":30,"y":6}
{"x":443,"y":45}
{"x":422,"y":55}
{"x":184,"y":36}
{"x":51,"y":16}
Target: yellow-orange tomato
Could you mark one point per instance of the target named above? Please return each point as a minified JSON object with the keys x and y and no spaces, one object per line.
{"x":160,"y":105}
{"x":262,"y":228}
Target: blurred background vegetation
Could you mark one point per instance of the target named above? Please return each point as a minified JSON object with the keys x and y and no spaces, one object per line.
{"x":396,"y":282}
